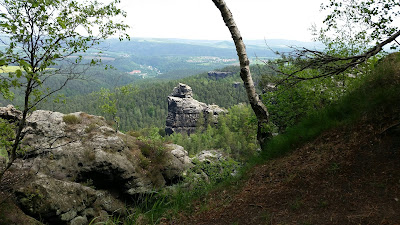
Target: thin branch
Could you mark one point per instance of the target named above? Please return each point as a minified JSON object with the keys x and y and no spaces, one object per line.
{"x":329,"y":65}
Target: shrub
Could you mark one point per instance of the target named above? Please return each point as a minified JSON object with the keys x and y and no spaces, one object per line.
{"x":144,"y":162}
{"x":71,"y":119}
{"x":90,"y":128}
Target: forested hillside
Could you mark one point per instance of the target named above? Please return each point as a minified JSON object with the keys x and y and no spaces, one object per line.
{"x":146,"y":105}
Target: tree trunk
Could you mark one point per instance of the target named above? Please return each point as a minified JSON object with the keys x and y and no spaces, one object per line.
{"x":263,"y":133}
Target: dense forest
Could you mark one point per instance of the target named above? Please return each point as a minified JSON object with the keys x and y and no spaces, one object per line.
{"x":146,"y":105}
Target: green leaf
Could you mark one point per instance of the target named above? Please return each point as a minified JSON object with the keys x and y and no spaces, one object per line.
{"x":61,"y":22}
{"x":18,"y":73}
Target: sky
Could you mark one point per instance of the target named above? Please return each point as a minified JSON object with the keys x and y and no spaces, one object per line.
{"x":200,"y":19}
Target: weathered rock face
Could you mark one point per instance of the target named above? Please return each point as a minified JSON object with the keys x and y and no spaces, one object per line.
{"x":219,"y":75}
{"x":184,"y":111}
{"x":82,"y":169}
{"x":10,"y":113}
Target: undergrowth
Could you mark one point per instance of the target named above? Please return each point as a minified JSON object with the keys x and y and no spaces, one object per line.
{"x":379,"y":90}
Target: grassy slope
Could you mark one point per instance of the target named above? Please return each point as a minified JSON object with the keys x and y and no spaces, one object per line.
{"x":343,"y":166}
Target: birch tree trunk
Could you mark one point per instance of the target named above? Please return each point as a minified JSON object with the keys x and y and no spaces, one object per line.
{"x":263,"y":133}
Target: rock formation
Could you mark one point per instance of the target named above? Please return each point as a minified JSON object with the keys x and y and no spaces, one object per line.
{"x":237,"y":84}
{"x":10,"y":113}
{"x":78,"y":170}
{"x":81,"y":169}
{"x":184,"y":111}
{"x":219,"y":75}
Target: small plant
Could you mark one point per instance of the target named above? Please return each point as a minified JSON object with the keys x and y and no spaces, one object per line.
{"x":334,"y":168}
{"x":71,"y":119}
{"x":296,"y":204}
{"x":152,"y":149}
{"x":90,"y":128}
{"x":323,"y":203}
{"x":133,"y":133}
{"x":144,"y":162}
{"x":89,"y":183}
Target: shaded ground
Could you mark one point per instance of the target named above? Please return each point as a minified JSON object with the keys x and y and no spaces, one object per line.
{"x":347,"y":176}
{"x":10,"y":213}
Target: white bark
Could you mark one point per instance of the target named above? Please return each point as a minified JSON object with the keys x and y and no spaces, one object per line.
{"x":258,"y":107}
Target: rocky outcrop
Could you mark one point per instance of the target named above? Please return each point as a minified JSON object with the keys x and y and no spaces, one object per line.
{"x":219,"y":75}
{"x":211,"y":166}
{"x":184,"y":111}
{"x":10,"y":113}
{"x":269,"y":87}
{"x":237,"y":84}
{"x":81,"y":169}
{"x":176,"y":164}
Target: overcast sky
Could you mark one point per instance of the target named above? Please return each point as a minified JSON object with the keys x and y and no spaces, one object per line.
{"x":200,"y":19}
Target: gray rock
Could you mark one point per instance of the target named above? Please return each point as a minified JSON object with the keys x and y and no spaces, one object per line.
{"x":180,"y":153}
{"x":80,"y":173}
{"x":54,"y":200}
{"x":269,"y":87}
{"x":219,"y":75}
{"x":184,"y":111}
{"x":182,"y":91}
{"x":80,"y":220}
{"x":10,"y":113}
{"x":210,"y":156}
{"x":210,"y":166}
{"x":176,"y":164}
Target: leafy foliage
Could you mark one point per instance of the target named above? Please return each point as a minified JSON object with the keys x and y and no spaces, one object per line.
{"x":288,"y":103}
{"x":43,"y":38}
{"x":7,"y":135}
{"x":235,"y":134}
{"x":376,"y":92}
{"x":40,"y":34}
{"x":372,"y":20}
{"x":109,"y":100}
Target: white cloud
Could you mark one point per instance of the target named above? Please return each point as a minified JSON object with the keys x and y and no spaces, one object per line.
{"x":200,"y":19}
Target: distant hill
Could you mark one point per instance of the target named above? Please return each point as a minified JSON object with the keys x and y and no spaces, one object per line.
{"x":178,"y":58}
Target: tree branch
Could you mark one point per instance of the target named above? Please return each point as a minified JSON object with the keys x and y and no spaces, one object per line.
{"x":328,"y":65}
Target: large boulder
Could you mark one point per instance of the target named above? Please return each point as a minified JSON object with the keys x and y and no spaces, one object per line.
{"x":184,"y":112}
{"x":60,"y":202}
{"x":176,"y":164}
{"x":81,"y":169}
